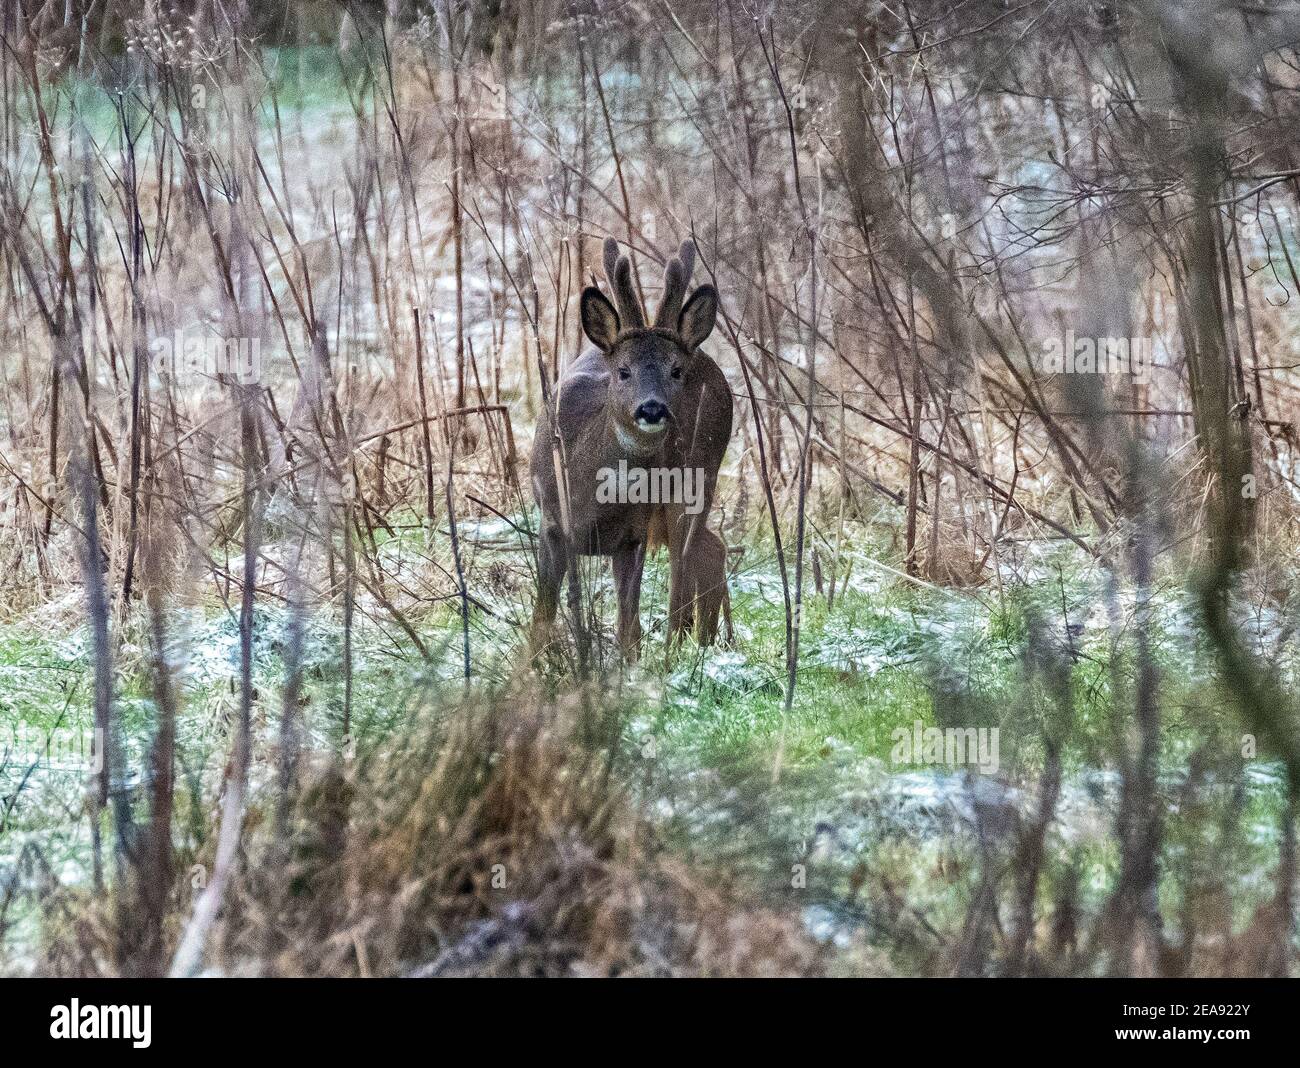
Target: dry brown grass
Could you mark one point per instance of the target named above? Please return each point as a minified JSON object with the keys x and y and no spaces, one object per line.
{"x":494,"y":840}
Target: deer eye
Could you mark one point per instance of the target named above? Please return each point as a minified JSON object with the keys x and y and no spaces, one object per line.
{"x":677,"y":371}
{"x":624,"y":373}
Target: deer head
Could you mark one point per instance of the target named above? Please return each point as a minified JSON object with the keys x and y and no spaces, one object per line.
{"x":648,"y":364}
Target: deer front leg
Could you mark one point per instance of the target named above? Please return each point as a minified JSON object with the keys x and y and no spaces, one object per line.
{"x":552,"y":562}
{"x":577,"y":611}
{"x":629,"y":566}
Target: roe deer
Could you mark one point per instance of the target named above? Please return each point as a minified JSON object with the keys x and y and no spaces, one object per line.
{"x":644,"y":399}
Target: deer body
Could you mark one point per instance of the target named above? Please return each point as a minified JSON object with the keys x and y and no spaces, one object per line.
{"x":644,"y":397}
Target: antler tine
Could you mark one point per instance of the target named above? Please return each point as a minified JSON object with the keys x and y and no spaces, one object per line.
{"x":618,"y":273}
{"x":687,"y":255}
{"x":611,"y":261}
{"x":670,"y":306}
{"x":629,"y":308}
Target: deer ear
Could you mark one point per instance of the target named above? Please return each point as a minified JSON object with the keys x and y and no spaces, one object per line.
{"x":698,"y":317}
{"x":599,"y":319}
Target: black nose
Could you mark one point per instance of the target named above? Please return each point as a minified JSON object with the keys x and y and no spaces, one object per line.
{"x":651,"y":411}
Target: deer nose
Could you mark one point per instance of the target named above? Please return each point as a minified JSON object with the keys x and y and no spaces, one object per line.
{"x":651,"y":413}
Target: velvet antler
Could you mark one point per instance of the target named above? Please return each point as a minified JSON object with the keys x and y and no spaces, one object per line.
{"x":618,"y":272}
{"x":677,"y":278}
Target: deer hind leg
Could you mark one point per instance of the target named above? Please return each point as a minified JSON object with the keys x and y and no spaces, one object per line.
{"x":709,"y":567}
{"x":662,"y":530}
{"x":729,"y":638}
{"x":708,"y":606}
{"x":577,"y":612}
{"x":552,"y":563}
{"x":629,"y":565}
{"x":681,"y":601}
{"x":681,"y":577}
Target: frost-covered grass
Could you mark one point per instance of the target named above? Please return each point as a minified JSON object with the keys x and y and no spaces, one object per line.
{"x":886,"y":655}
{"x":702,"y":733}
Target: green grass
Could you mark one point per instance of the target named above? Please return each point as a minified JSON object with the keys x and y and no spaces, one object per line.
{"x":702,"y":734}
{"x":40,"y":684}
{"x":886,"y":656}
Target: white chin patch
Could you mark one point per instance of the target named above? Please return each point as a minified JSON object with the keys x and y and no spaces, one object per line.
{"x":647,"y":427}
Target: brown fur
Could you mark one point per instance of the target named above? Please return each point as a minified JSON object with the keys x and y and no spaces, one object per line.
{"x":596,"y":427}
{"x":708,"y":596}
